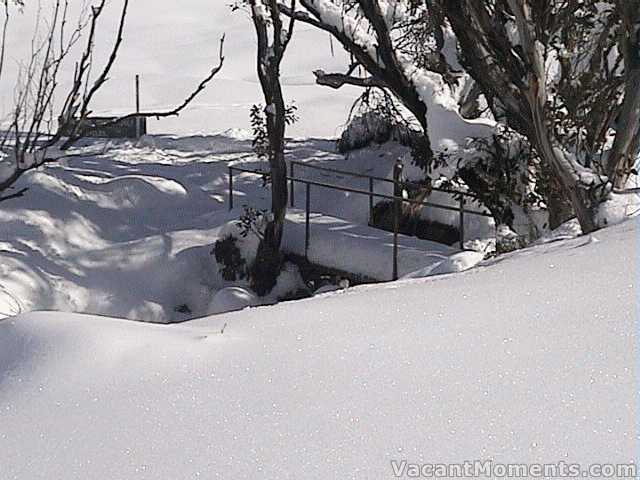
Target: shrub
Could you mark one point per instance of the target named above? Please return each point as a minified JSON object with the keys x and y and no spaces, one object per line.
{"x":232,"y":266}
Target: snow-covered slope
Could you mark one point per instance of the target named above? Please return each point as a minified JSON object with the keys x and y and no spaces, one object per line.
{"x":530,"y":359}
{"x":173,"y":46}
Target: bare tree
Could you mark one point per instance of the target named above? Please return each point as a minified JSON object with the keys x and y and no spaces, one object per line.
{"x":23,"y":141}
{"x":273,"y":39}
{"x":32,"y":119}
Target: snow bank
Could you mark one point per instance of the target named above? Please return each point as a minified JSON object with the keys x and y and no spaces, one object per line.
{"x":532,"y":359}
{"x":618,"y":208}
{"x":126,"y":229}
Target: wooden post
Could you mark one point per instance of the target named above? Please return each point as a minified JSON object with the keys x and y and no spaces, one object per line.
{"x":397,"y":204}
{"x":138,"y":129}
{"x":461,"y":208}
{"x":230,"y":188}
{"x":291,"y":174}
{"x":307,"y":231}
{"x":371,"y":201}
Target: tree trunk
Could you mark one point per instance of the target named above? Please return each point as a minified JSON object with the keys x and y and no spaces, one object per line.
{"x":579,"y":195}
{"x":268,"y":261}
{"x":626,"y":147}
{"x":558,"y":206}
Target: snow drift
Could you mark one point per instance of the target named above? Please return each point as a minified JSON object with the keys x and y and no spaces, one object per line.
{"x":530,"y":359}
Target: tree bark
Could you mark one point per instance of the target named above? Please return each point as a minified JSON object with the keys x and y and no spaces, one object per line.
{"x":626,"y":147}
{"x":270,"y":54}
{"x":517,"y":78}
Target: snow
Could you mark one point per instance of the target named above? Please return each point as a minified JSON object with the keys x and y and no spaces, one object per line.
{"x":173,"y":46}
{"x":230,"y":299}
{"x":618,"y":208}
{"x":528,"y":357}
{"x":366,"y":251}
{"x":126,"y":229}
{"x":531,"y":358}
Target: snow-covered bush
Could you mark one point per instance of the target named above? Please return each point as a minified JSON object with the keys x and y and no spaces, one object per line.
{"x":415,"y":225}
{"x":376,"y":119}
{"x":372,"y":127}
{"x":507,"y":240}
{"x":506,"y":175}
{"x":237,"y":246}
{"x":231,"y":264}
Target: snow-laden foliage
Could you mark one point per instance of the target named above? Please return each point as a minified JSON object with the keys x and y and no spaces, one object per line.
{"x":236,"y":249}
{"x":376,"y":118}
{"x":565,"y":75}
{"x":507,"y":176}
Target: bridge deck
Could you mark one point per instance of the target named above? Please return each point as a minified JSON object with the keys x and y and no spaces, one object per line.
{"x":340,"y":244}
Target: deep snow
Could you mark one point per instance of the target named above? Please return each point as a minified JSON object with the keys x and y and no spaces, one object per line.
{"x":126,"y":229}
{"x":532,"y":358}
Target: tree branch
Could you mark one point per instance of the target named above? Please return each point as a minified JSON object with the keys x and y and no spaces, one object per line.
{"x":18,"y":194}
{"x":338,"y":80}
{"x":176,"y":111}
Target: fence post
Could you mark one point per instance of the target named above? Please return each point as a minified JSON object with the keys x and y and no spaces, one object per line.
{"x":461,"y":222}
{"x":230,"y":188}
{"x":293,"y":202}
{"x":397,"y":204}
{"x":370,"y":201}
{"x":307,"y":222}
{"x":138,"y":129}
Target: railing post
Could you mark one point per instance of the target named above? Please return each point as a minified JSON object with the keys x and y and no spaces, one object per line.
{"x":461,"y":222}
{"x":397,"y":204}
{"x":292,"y":184}
{"x":230,"y":188}
{"x":307,"y":230}
{"x":395,"y":240}
{"x":370,"y":201}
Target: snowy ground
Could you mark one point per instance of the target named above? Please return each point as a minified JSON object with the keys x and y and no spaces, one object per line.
{"x":532,"y":358}
{"x":126,"y":229}
{"x":174,"y":45}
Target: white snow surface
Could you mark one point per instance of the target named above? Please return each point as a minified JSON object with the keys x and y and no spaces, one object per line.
{"x":126,"y":229}
{"x":173,"y":46}
{"x":367,"y":251}
{"x":529,"y":359}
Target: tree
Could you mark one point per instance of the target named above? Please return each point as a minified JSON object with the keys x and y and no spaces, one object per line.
{"x":395,"y":43}
{"x":273,"y":39}
{"x":552,"y":72}
{"x":563,"y":74}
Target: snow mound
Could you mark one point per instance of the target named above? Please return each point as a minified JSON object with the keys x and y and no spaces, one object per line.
{"x":530,"y":359}
{"x":458,"y":262}
{"x":230,"y":299}
{"x":618,"y":208}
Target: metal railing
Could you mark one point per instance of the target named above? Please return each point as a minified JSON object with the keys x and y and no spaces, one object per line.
{"x":397,"y":199}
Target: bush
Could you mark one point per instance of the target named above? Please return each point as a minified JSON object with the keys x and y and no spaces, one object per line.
{"x":373,"y":127}
{"x":232,"y":266}
{"x":237,"y":247}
